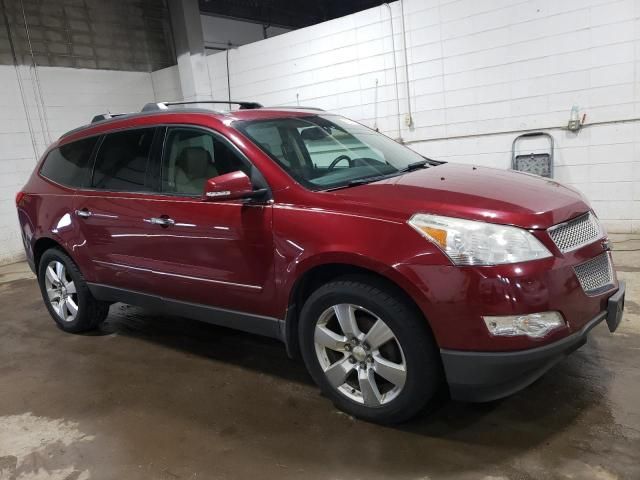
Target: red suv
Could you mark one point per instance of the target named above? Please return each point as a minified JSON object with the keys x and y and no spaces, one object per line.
{"x":390,"y":273}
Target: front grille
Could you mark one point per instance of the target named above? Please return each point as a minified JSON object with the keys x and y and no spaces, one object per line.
{"x":596,"y":275}
{"x":576,"y":233}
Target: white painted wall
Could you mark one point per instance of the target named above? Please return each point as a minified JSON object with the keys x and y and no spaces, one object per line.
{"x":70,"y":98}
{"x":219,"y":32}
{"x":16,"y":161}
{"x":166,"y":84}
{"x":475,"y":69}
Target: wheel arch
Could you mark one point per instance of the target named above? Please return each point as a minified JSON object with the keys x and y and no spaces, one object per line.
{"x":43,"y":244}
{"x":315,"y":276}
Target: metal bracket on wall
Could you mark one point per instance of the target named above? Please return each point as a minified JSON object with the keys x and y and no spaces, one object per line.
{"x":540,"y":163}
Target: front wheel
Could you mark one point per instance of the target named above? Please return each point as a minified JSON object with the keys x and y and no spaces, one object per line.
{"x":66,"y":293}
{"x":369,"y":351}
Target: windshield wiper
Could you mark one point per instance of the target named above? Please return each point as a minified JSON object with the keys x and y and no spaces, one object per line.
{"x":376,"y":178}
{"x":358,"y":181}
{"x":415,"y":166}
{"x":362,"y":181}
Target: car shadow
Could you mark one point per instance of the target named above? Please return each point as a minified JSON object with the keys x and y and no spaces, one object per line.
{"x":522,"y":420}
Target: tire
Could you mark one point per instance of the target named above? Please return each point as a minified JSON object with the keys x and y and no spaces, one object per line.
{"x":375,"y":389}
{"x":80,"y":312}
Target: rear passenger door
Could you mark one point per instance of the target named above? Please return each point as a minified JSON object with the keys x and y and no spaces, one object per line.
{"x":111,"y":210}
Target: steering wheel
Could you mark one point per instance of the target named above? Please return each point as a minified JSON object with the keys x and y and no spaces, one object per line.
{"x":338,"y":160}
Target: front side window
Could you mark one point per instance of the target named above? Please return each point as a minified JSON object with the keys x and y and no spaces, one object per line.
{"x":329,"y":151}
{"x":70,"y":164}
{"x":192,"y":156}
{"x":123,"y":161}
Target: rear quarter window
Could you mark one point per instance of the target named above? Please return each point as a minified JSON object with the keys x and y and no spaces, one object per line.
{"x":70,"y":164}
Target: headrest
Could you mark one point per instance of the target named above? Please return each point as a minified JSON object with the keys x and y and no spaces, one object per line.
{"x":194,"y":162}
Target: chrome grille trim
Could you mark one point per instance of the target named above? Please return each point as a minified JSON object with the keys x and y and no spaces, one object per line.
{"x":576,"y":233}
{"x":596,"y":276}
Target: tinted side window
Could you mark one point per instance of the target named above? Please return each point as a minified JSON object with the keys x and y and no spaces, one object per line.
{"x":123,"y":162}
{"x":70,"y":164}
{"x":192,"y":157}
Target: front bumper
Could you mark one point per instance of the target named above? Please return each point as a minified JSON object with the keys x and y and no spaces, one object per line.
{"x":486,"y":376}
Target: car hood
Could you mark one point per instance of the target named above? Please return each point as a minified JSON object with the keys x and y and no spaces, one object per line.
{"x":470,"y":192}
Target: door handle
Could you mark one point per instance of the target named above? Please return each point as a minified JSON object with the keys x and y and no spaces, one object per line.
{"x":84,"y":213}
{"x":162,"y":221}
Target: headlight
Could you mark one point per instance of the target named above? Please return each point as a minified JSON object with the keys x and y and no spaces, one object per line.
{"x":469,"y":242}
{"x":534,"y":325}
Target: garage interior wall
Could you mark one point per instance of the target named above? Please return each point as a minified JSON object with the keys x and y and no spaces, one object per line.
{"x":476,"y":69}
{"x":113,"y":46}
{"x":478,"y":72}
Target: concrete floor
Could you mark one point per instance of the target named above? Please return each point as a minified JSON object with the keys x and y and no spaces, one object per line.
{"x":150,"y":397}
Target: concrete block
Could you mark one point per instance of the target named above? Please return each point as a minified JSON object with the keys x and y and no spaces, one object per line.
{"x":611,"y":172}
{"x":40,"y":60}
{"x":51,"y":22}
{"x":612,"y":12}
{"x":76,"y":13}
{"x":104,"y":52}
{"x":33,"y":19}
{"x":81,"y":39}
{"x":62,"y":61}
{"x":612,"y":54}
{"x":58,"y":48}
{"x":6,"y":58}
{"x":612,"y":74}
{"x":52,"y":35}
{"x":108,"y":63}
{"x":84,"y":51}
{"x":51,"y":9}
{"x":79,"y":25}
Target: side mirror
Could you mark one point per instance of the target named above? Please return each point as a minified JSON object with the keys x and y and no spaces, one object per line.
{"x":230,"y":186}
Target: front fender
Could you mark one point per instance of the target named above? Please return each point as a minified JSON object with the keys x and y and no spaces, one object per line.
{"x":354,"y":260}
{"x":305,"y":239}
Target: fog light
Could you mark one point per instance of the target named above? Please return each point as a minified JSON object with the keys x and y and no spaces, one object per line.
{"x":534,"y":325}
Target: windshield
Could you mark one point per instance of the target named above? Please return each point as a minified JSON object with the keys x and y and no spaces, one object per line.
{"x":329,"y":151}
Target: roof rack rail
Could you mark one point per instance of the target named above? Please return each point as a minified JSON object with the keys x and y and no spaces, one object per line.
{"x":154,"y":107}
{"x":299,"y":107}
{"x":105,"y":116}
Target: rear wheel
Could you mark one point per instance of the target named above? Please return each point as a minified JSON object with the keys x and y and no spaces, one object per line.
{"x":369,"y":351}
{"x":66,"y":294}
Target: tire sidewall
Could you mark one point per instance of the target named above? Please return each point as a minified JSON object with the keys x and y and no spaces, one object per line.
{"x":78,"y":281}
{"x":422,"y":367}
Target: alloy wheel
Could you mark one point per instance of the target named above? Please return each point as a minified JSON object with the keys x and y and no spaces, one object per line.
{"x":359,"y":354}
{"x":61,"y":291}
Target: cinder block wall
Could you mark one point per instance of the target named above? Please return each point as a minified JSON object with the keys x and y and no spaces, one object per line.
{"x":112,"y":45}
{"x":105,"y":34}
{"x":477,"y":69}
{"x":30,"y":122}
